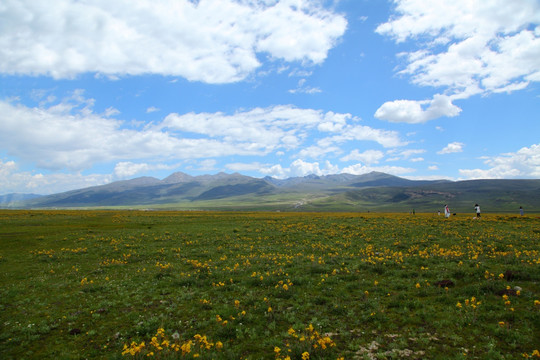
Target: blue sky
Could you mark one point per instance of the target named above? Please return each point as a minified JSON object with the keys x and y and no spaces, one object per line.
{"x":98,"y":91}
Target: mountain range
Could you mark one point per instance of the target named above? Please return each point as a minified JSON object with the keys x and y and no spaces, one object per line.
{"x":342,"y":192}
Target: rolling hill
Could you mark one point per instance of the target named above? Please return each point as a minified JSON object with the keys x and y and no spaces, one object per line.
{"x":343,"y":192}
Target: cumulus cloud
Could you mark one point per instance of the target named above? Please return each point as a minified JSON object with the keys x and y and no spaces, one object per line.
{"x":213,"y":41}
{"x":68,"y":134}
{"x":525,"y":163}
{"x":300,"y":168}
{"x":280,"y":127}
{"x":367,"y":157}
{"x":13,"y":180}
{"x":316,"y":152}
{"x":62,"y":136}
{"x":454,"y":147}
{"x":465,"y":47}
{"x":126,"y":169}
{"x":386,"y":138}
{"x":415,"y":112}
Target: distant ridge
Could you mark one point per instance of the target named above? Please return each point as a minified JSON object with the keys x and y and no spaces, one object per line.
{"x":177,"y":177}
{"x":13,"y":199}
{"x":375,"y":191}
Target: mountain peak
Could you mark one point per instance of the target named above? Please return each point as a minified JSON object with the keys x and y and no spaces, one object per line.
{"x":177,"y":177}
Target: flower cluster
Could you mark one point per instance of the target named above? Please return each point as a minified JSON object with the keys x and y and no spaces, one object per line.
{"x":305,"y":341}
{"x":48,"y":253}
{"x":160,"y":344}
{"x":535,"y":354}
{"x":85,"y":281}
{"x":472,"y":303}
{"x":124,"y":260}
{"x":285,"y":285}
{"x":75,"y":251}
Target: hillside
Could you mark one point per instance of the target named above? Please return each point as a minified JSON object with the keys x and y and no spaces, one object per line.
{"x":343,"y":192}
{"x":9,"y":200}
{"x":492,"y":195}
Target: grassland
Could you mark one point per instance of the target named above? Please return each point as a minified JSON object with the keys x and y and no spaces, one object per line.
{"x":218,"y":285}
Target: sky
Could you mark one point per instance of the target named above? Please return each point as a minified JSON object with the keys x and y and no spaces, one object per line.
{"x":96,"y":91}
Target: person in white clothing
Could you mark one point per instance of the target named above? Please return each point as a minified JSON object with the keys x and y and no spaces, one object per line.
{"x":477,"y":209}
{"x":446,"y":211}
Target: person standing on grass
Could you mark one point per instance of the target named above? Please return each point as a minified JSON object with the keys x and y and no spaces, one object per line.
{"x":477,"y":209}
{"x":521,"y":211}
{"x":446,"y":211}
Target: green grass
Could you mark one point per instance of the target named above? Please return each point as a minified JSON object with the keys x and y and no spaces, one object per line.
{"x":87,"y":284}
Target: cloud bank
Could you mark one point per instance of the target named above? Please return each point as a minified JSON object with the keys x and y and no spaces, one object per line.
{"x":213,"y":41}
{"x":464,"y":47}
{"x":68,"y":134}
{"x":525,"y":163}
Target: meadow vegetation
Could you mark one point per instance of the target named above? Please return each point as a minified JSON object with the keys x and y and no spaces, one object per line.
{"x":231,"y":285}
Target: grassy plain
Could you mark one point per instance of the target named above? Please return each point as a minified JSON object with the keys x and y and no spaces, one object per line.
{"x":230,"y":285}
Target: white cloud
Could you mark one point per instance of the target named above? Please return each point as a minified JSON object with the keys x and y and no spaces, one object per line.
{"x":405,"y":154}
{"x":207,"y":165}
{"x":258,"y":129}
{"x":126,"y":169}
{"x":466,"y":47}
{"x":64,"y":136}
{"x":367,"y":157}
{"x":303,"y":89}
{"x":433,"y":167}
{"x":299,"y":168}
{"x":152,"y":109}
{"x":303,"y":168}
{"x":241,"y":167}
{"x":316,"y":152}
{"x":359,"y":169}
{"x":214,"y":41}
{"x":454,"y":147}
{"x":12,"y":180}
{"x":386,"y":138}
{"x":414,"y":112}
{"x":284,"y":126}
{"x":525,"y":163}
{"x":110,"y":111}
{"x":69,"y":135}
